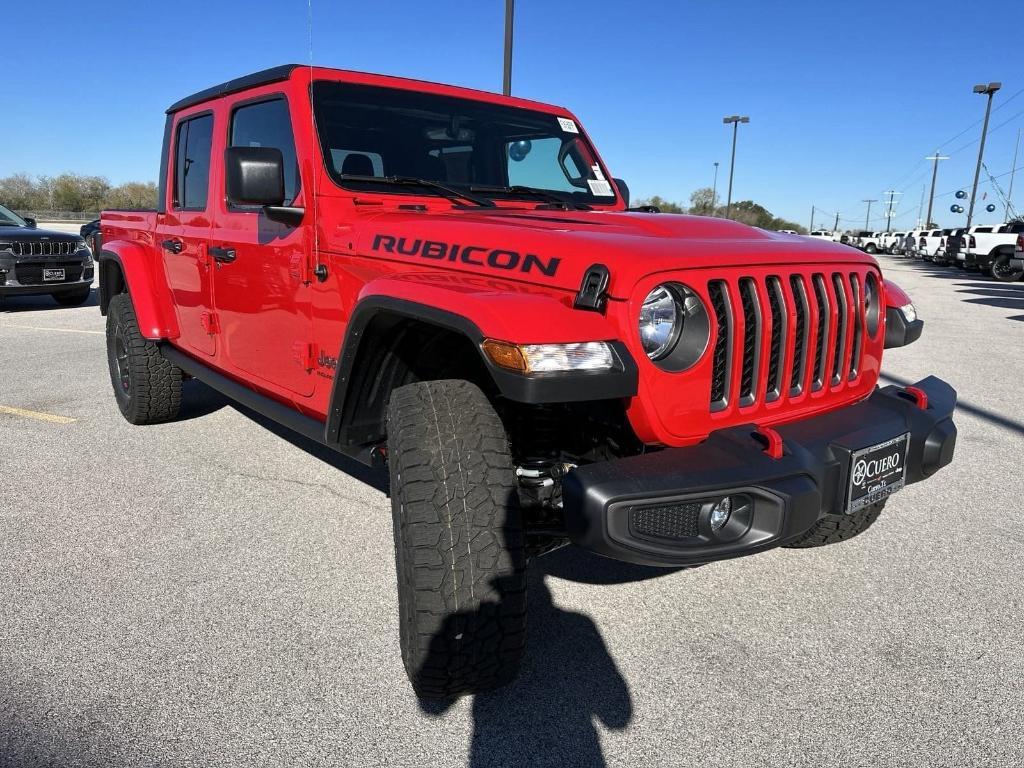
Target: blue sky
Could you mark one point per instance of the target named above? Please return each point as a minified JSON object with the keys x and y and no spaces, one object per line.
{"x":845,"y":99}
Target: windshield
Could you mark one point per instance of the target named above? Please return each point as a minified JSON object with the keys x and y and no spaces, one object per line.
{"x":9,"y":218}
{"x":468,"y":145}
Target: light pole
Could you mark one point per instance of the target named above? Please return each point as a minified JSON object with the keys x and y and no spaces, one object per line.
{"x":812,"y":219}
{"x":735,"y":120}
{"x":989,"y":90}
{"x":935,"y":172}
{"x":868,"y":217}
{"x":510,"y":8}
{"x":1013,"y":171}
{"x":714,"y":190}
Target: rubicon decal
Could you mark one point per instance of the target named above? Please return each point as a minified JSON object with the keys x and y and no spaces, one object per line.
{"x":478,"y":255}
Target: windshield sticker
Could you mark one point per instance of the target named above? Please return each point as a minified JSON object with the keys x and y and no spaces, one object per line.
{"x":600,"y":188}
{"x":597,"y":172}
{"x":568,"y":125}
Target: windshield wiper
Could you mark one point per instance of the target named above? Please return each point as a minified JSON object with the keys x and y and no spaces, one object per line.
{"x":543,"y":194}
{"x":412,"y":181}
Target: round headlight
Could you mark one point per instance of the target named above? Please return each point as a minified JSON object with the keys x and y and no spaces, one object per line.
{"x":661,"y":319}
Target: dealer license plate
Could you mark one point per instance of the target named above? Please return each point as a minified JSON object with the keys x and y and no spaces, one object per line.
{"x":53,"y":275}
{"x":877,"y":472}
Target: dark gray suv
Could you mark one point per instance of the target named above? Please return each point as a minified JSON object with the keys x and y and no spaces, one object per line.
{"x":38,"y":261}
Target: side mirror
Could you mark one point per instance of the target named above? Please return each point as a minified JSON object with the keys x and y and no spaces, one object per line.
{"x":254,"y":175}
{"x":623,"y":190}
{"x":29,"y":222}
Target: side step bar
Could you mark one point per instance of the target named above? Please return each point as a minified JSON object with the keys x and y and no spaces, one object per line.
{"x":273,"y":410}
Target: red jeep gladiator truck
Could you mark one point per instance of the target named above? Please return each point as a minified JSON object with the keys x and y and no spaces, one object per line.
{"x":450,"y":283}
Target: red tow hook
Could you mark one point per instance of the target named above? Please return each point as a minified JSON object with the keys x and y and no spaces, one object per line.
{"x":919,"y":395}
{"x":772,"y":440}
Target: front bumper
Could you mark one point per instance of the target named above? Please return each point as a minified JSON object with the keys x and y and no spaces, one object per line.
{"x":22,"y":275}
{"x":787,"y":494}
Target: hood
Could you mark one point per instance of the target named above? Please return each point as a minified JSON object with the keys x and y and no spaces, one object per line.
{"x":27,"y":233}
{"x":555,"y":248}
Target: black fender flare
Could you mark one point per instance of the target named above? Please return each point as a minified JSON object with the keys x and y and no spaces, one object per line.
{"x":536,"y":388}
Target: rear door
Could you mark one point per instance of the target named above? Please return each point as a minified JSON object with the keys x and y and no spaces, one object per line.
{"x":263,"y":295}
{"x":182,"y":231}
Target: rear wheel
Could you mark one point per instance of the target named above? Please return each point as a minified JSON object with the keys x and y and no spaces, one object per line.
{"x":871,"y":248}
{"x":1002,"y":271}
{"x":73,"y":298}
{"x":147,"y":386}
{"x":831,"y":529}
{"x":459,"y":544}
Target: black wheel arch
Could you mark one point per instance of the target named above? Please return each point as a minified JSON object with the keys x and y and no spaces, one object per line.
{"x":111,"y":281}
{"x":390,"y":342}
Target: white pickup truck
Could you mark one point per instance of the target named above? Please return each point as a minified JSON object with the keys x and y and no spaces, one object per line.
{"x":991,"y":248}
{"x":929,"y":242}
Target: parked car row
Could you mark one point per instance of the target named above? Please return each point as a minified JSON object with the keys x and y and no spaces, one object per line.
{"x":995,"y":249}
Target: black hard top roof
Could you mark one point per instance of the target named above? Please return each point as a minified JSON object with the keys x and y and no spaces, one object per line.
{"x":272,"y":75}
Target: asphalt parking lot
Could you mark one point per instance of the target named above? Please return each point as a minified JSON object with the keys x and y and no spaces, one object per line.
{"x":213,"y":592}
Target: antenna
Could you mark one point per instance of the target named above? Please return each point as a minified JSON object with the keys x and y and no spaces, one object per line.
{"x":318,"y":269}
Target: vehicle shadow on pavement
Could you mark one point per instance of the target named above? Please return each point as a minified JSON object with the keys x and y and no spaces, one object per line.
{"x":568,"y":678}
{"x":992,"y":293}
{"x":36,"y":303}
{"x":375,"y":478}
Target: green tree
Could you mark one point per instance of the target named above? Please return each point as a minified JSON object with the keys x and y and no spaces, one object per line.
{"x":703,"y":202}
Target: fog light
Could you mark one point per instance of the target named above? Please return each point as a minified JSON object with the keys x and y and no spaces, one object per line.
{"x":720,"y":513}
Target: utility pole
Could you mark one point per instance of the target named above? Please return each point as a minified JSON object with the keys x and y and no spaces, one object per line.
{"x":988,"y":90}
{"x":836,"y":227}
{"x":812,"y":219}
{"x":510,"y":8}
{"x":888,"y":211}
{"x":935,"y":172}
{"x":714,"y":190}
{"x":1013,"y":170}
{"x":735,"y":120}
{"x":868,"y":217}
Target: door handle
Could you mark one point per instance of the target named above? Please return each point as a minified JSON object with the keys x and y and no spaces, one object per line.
{"x":223,"y":255}
{"x":174,"y":246}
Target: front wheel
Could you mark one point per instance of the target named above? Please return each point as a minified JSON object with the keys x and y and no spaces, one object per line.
{"x":831,"y":529}
{"x":459,"y":543}
{"x":871,"y":248}
{"x":1003,"y":272}
{"x":147,"y":386}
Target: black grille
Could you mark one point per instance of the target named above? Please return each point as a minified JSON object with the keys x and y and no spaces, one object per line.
{"x":789,"y":309}
{"x":824,"y":320}
{"x":31,"y":273}
{"x":839,"y":351}
{"x":723,"y":319}
{"x":858,"y":325}
{"x":796,"y":379}
{"x":751,"y":339}
{"x":44,"y":247}
{"x":773,"y":387}
{"x":667,"y":521}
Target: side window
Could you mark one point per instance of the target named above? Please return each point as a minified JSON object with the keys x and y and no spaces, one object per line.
{"x":192,"y":162}
{"x":267,"y":124}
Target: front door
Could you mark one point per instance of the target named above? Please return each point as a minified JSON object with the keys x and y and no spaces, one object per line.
{"x":263,"y":297}
{"x":183,"y":231}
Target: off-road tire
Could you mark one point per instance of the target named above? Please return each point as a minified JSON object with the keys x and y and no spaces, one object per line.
{"x":1002,"y":271}
{"x":73,"y":298}
{"x":831,"y":529}
{"x":459,"y":543}
{"x":151,"y":392}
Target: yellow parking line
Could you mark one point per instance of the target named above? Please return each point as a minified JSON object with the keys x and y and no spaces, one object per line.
{"x":37,"y":415}
{"x":45,"y":328}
